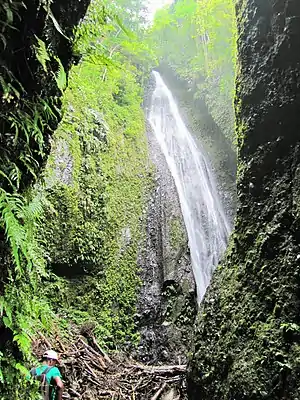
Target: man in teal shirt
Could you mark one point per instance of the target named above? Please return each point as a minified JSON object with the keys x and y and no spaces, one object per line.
{"x":50,"y":376}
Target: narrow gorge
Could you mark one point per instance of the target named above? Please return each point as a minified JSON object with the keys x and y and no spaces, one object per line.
{"x":149,"y":198}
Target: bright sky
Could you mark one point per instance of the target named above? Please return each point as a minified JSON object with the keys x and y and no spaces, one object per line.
{"x":156,"y":4}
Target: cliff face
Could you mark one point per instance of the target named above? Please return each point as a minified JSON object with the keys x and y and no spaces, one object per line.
{"x":36,"y":42}
{"x":208,"y":133}
{"x":247,"y":336}
{"x":95,"y":189}
{"x":36,"y":46}
{"x":167,"y":300}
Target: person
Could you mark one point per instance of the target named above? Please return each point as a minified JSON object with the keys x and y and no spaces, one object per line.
{"x":50,"y":376}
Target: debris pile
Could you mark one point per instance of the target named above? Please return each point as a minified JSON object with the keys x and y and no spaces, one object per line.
{"x":89,"y":373}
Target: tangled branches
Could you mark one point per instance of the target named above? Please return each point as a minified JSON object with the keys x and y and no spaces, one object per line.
{"x":89,"y":374}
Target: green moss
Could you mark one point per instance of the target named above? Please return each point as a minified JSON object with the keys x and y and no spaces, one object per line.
{"x":176,"y":233}
{"x":94,"y":219}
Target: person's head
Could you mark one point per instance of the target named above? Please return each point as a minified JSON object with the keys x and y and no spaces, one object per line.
{"x":50,"y":357}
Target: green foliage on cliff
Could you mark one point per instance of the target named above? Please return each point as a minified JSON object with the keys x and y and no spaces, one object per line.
{"x":25,"y":118}
{"x":96,"y":184}
{"x":29,"y":110}
{"x":76,"y":234}
{"x":198,"y":41}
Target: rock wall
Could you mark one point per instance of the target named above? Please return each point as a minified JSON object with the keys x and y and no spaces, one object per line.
{"x":35,"y":38}
{"x":208,"y":133}
{"x":36,"y":41}
{"x":96,"y":185}
{"x":246,"y":343}
{"x":167,"y":299}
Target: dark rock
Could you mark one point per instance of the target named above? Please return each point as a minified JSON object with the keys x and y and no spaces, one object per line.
{"x":34,"y":88}
{"x":167,"y":300}
{"x":255,"y":292}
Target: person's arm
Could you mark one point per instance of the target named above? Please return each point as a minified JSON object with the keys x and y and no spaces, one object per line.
{"x":60,"y":387}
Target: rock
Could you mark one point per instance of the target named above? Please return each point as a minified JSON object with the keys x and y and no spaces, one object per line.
{"x":36,"y":89}
{"x":258,"y":273}
{"x":168,"y":292}
{"x":99,"y":126}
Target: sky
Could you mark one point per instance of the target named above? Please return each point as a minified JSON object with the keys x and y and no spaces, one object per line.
{"x":156,"y":4}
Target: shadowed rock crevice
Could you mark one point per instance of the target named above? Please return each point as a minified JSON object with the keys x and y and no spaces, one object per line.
{"x":30,"y":97}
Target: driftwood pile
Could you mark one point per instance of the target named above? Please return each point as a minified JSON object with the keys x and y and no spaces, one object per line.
{"x":89,"y":373}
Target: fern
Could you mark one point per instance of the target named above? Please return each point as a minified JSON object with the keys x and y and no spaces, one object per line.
{"x":23,"y":122}
{"x":41,"y":53}
{"x":15,"y":176}
{"x":19,"y":220}
{"x":30,"y":163}
{"x":60,"y":76}
{"x":10,"y":208}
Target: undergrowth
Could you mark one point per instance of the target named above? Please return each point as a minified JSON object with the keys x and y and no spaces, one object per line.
{"x":68,"y":246}
{"x":93,"y":236}
{"x":25,"y":118}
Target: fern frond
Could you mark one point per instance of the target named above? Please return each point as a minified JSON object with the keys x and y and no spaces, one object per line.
{"x":34,"y":210}
{"x":15,"y":175}
{"x":30,"y":163}
{"x":41,"y":53}
{"x":3,"y":40}
{"x":19,"y":218}
{"x":10,"y":206}
{"x":6,"y":177}
{"x":60,"y":76}
{"x":47,"y":110}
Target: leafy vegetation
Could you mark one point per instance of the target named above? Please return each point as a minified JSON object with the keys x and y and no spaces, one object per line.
{"x":24,"y":118}
{"x":93,"y":225}
{"x":70,"y":244}
{"x":26,"y":114}
{"x":92,"y":221}
{"x":198,"y":41}
{"x":29,"y":98}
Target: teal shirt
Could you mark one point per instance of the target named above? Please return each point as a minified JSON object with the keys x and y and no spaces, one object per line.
{"x":53,"y":373}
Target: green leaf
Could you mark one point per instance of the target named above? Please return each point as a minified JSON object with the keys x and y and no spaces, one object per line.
{"x":41,"y":53}
{"x":60,"y":76}
{"x":122,"y":27}
{"x":57,"y":26}
{"x":7,"y":322}
{"x":22,"y":369}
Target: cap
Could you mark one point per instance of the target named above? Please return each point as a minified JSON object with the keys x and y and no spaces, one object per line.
{"x":51,"y":354}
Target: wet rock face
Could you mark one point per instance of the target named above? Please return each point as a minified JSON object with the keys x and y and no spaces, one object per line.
{"x":246,"y":343}
{"x":208,"y":134}
{"x":27,"y":88}
{"x":167,"y":300}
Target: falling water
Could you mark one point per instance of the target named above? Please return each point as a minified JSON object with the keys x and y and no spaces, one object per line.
{"x":204,"y":216}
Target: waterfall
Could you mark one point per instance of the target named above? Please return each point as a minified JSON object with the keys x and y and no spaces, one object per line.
{"x":206,"y":223}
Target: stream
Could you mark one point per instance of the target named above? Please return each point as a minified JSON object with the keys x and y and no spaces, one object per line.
{"x":204,"y":216}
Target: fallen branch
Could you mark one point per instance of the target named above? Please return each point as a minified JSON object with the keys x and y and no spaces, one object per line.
{"x":164,"y":369}
{"x":159,"y":392}
{"x":101,"y":350}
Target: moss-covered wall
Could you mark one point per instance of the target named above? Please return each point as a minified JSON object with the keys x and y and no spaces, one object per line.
{"x":96,"y":184}
{"x":36,"y":39}
{"x":247,"y":336}
{"x":35,"y":43}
